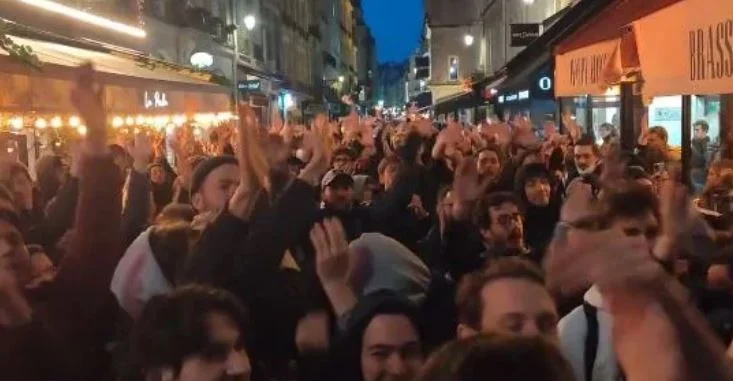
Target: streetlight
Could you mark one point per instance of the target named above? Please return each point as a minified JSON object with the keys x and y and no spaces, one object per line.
{"x":250,"y":22}
{"x":341,"y":78}
{"x":468,"y":39}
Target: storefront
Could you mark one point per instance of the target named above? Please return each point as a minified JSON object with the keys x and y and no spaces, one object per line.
{"x":138,"y":94}
{"x":530,"y":95}
{"x":667,"y":59}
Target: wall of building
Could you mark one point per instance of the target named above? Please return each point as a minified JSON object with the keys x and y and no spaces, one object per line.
{"x":447,"y":42}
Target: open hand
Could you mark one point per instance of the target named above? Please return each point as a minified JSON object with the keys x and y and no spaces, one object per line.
{"x":332,"y":251}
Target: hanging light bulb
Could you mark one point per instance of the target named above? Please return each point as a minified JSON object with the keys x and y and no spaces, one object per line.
{"x":82,"y":130}
{"x":41,"y":123}
{"x":129,"y":121}
{"x":17,"y":123}
{"x":117,"y":122}
{"x":56,"y":122}
{"x":74,"y":121}
{"x":139,"y":120}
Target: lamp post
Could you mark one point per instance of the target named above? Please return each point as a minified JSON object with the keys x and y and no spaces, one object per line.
{"x":249,"y":23}
{"x":235,"y":56}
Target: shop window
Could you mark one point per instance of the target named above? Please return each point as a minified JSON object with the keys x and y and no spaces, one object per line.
{"x":453,"y":68}
{"x":706,"y":138}
{"x":667,"y":112}
{"x":606,"y":113}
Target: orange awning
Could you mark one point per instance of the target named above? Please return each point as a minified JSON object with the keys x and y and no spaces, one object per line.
{"x":609,"y":24}
{"x":687,"y":48}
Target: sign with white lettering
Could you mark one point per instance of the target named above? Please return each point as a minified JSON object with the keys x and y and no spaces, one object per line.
{"x":155,"y":99}
{"x":524,"y":34}
{"x":250,"y":85}
{"x":687,"y":48}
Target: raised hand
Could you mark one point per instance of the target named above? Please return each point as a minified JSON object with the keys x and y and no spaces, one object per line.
{"x":141,"y":152}
{"x":332,"y":251}
{"x":88,"y":102}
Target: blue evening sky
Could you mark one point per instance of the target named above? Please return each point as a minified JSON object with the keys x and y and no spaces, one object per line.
{"x":396,"y":26}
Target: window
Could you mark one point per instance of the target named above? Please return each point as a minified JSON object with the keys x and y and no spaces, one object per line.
{"x":453,"y":68}
{"x":706,"y":138}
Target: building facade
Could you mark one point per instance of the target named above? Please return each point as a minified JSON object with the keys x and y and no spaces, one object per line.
{"x":287,"y":49}
{"x":472,"y":41}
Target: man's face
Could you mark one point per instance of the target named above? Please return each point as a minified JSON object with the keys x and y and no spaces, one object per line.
{"x":14,"y":256}
{"x":506,"y":227}
{"x":488,"y":164}
{"x":537,"y":190}
{"x":343,"y":162}
{"x":217,"y":189}
{"x":224,"y":358}
{"x":22,"y":189}
{"x":157,"y":175}
{"x":700,"y":133}
{"x":390,"y":349}
{"x":585,"y":159}
{"x":656,"y":142}
{"x":645,"y":225}
{"x":338,"y":196}
{"x":518,"y":306}
{"x":446,"y":206}
{"x":388,"y":175}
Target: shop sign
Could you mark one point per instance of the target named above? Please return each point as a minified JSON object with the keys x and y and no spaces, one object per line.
{"x":516,"y":96}
{"x":581,"y":71}
{"x":545,"y":83}
{"x":250,"y":85}
{"x":687,"y":48}
{"x":155,"y":99}
{"x":524,"y":34}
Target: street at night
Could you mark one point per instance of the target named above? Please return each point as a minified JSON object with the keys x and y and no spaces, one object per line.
{"x":366,"y":190}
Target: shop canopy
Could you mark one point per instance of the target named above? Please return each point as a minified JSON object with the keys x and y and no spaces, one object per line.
{"x":130,"y":86}
{"x":603,"y":52}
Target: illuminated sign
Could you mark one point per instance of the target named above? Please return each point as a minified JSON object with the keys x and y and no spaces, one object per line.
{"x":250,"y":85}
{"x":522,"y":95}
{"x":157,"y":99}
{"x":545,"y":83}
{"x":202,"y":60}
{"x":501,"y":99}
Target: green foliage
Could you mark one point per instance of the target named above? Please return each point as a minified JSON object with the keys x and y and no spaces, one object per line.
{"x":21,"y":53}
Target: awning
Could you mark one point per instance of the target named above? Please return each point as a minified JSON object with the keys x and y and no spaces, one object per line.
{"x":455,"y":102}
{"x":608,"y":24}
{"x":130,"y":86}
{"x":678,"y":46}
{"x":687,"y":48}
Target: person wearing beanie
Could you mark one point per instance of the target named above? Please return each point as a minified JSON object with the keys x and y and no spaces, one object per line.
{"x":213,"y":183}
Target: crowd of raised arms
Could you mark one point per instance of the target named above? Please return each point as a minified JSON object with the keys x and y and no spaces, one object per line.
{"x":366,"y":249}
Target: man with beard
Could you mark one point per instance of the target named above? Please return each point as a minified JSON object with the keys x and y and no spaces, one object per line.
{"x":587,"y":158}
{"x":338,"y":201}
{"x":499,"y":218}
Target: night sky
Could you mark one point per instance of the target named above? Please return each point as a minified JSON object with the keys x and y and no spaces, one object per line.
{"x":396,"y":26}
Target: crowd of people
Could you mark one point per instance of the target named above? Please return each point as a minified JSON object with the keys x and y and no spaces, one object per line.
{"x":366,"y":249}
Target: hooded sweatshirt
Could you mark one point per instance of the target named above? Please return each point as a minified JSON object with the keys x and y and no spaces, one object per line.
{"x":138,"y":277}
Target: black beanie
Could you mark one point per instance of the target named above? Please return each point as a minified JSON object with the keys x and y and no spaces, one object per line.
{"x":207,"y":166}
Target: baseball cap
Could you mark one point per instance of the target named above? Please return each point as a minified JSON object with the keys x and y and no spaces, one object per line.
{"x":334,"y":176}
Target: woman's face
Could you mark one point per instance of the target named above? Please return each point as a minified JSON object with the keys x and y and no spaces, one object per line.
{"x":390,"y":349}
{"x":537,"y":190}
{"x":22,"y":189}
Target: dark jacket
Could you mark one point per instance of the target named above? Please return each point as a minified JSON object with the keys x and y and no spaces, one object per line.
{"x":63,"y":342}
{"x":244,"y":257}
